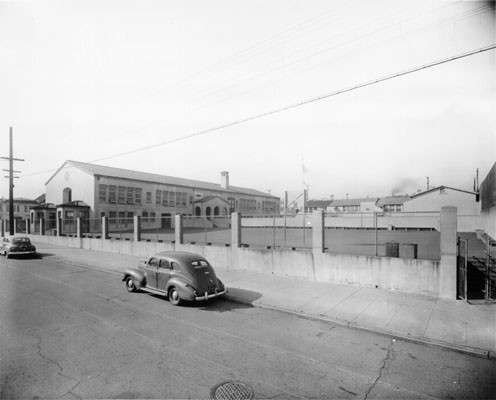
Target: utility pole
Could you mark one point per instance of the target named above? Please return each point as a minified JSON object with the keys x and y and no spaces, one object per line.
{"x":11,"y":182}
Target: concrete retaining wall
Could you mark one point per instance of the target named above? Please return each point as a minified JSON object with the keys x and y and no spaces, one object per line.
{"x":404,"y":275}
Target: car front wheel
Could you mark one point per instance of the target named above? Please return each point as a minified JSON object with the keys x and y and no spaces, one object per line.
{"x":174,"y":298}
{"x":130,"y":286}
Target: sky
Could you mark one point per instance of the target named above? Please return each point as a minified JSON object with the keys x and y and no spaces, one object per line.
{"x":191,"y":88}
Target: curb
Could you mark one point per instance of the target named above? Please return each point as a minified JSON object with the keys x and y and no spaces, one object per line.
{"x":473,"y":351}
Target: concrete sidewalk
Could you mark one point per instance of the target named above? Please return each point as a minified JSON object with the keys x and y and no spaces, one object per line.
{"x":453,"y":324}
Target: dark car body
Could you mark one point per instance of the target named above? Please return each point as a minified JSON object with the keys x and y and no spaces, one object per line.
{"x":17,"y":246}
{"x":177,"y":275}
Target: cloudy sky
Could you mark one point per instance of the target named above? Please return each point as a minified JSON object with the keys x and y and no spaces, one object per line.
{"x":144,"y":84}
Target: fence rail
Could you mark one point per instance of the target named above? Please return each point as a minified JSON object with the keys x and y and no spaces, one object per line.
{"x":352,"y":233}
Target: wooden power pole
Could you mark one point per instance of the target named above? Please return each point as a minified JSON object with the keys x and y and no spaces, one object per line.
{"x":11,"y":182}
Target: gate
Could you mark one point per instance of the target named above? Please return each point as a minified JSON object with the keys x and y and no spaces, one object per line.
{"x":491,"y":270}
{"x":461,"y":276}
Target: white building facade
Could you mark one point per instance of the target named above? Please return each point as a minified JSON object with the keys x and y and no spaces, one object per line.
{"x":122,"y":194}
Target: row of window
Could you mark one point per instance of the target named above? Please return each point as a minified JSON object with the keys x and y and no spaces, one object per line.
{"x":393,"y":207}
{"x":17,"y":208}
{"x":132,"y":195}
{"x":119,"y":194}
{"x":171,"y":199}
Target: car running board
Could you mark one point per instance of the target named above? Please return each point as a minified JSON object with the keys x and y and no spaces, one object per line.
{"x":154,"y":291}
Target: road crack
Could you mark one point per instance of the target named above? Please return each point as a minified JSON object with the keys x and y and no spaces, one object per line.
{"x":382,"y":369}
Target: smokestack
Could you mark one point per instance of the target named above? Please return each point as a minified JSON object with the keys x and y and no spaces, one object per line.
{"x":224,"y":179}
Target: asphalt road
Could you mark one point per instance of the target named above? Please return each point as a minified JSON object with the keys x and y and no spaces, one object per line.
{"x":72,"y":332}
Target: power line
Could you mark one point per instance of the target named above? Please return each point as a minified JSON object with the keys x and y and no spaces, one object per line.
{"x":301,"y":103}
{"x":308,"y":101}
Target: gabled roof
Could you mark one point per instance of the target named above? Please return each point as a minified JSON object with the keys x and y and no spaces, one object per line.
{"x":392,"y":200}
{"x":101,"y":170}
{"x":210,"y":198}
{"x":441,"y":187}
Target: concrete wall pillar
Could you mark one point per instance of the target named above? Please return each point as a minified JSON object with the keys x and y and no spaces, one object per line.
{"x":448,"y":270}
{"x":318,"y":231}
{"x":105,"y":228}
{"x":179,"y":229}
{"x":42,"y":226}
{"x":137,"y":228}
{"x":235,"y":229}
{"x":79,"y":227}
{"x":59,"y":226}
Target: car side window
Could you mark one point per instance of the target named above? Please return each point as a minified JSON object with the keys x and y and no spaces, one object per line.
{"x":175,"y":266}
{"x":164,"y":264}
{"x":153,"y":263}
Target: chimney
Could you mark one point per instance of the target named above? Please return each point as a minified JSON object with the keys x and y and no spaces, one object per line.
{"x":224,"y":179}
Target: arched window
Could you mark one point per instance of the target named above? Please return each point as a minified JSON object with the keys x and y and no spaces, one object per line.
{"x":197,"y":211}
{"x":67,"y":195}
{"x":208,"y":211}
{"x":216,"y":211}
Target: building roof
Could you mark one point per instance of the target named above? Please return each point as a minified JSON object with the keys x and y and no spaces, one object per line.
{"x":20,"y":200}
{"x":318,"y":203}
{"x":441,"y":187}
{"x":392,"y":200}
{"x":353,"y":202}
{"x":74,"y":204}
{"x":100,"y":170}
{"x":44,"y":206}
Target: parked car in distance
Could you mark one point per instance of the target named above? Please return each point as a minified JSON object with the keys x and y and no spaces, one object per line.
{"x":17,"y":246}
{"x":180,"y":276}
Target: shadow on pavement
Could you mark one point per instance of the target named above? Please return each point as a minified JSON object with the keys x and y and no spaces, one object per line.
{"x":235,"y":299}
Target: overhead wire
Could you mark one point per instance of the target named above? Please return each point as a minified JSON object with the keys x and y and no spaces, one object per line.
{"x":299,"y":104}
{"x":320,"y":52}
{"x":430,"y":27}
{"x":288,"y":64}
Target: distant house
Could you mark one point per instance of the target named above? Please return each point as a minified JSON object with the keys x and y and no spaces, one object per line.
{"x":392,"y":203}
{"x":432,"y":200}
{"x":22,"y":209}
{"x":316,"y":205}
{"x":366,"y":204}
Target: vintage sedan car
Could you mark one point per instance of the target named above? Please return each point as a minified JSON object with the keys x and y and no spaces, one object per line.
{"x":17,"y":246}
{"x":177,"y":275}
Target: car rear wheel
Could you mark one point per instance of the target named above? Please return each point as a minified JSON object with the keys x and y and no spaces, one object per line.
{"x":131,"y":287}
{"x":174,"y":298}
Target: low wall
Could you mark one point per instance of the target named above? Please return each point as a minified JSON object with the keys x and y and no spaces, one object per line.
{"x":401,"y":220}
{"x":403,"y":275}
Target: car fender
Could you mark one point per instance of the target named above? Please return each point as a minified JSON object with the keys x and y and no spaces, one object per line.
{"x":137,"y":275}
{"x":186,"y":291}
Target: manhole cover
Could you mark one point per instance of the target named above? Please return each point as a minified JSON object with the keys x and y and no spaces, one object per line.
{"x":232,"y":391}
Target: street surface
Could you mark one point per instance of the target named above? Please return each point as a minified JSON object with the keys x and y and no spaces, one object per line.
{"x":71,"y":332}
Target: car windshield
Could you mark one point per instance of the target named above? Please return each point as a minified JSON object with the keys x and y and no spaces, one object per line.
{"x":199,"y":264}
{"x":21,"y":241}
